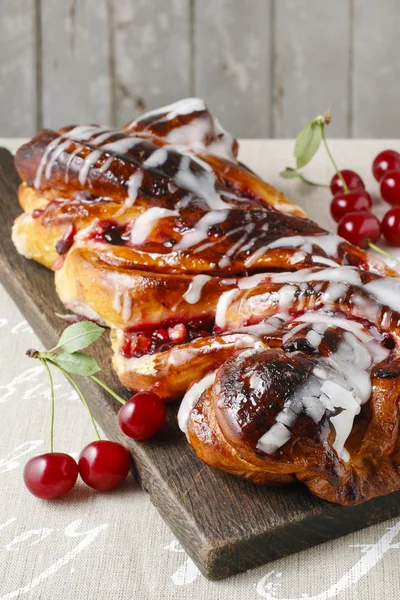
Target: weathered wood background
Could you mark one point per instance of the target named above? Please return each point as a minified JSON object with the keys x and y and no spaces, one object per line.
{"x":264,"y":66}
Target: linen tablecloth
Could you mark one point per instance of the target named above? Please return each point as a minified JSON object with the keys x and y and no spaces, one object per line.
{"x":114,"y":545}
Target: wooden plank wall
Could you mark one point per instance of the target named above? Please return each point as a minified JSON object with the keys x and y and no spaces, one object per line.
{"x":264,"y":66}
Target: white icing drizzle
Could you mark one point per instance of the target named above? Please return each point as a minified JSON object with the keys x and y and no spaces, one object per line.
{"x":266,"y":327}
{"x":253,"y":258}
{"x":200,"y":230}
{"x":121,"y":146}
{"x":328,"y":242}
{"x":343,"y":424}
{"x":191,"y":135}
{"x":386,"y":290}
{"x":246,"y":283}
{"x":181,"y":355}
{"x":275,"y":437}
{"x":292,"y":331}
{"x":186,"y":106}
{"x":356,"y":328}
{"x":210,"y":244}
{"x":56,"y":153}
{"x":341,"y":381}
{"x":297,"y":257}
{"x":225,"y":261}
{"x":334,"y":291}
{"x":286,"y":297}
{"x":193,"y":293}
{"x":156,"y":159}
{"x":143,"y":225}
{"x":195,"y":134}
{"x":349,"y":275}
{"x":78,"y":134}
{"x":133,"y":185}
{"x":122,"y":304}
{"x":83,"y":133}
{"x":50,"y":147}
{"x":201,"y":184}
{"x":324,"y":261}
{"x":78,"y":148}
{"x":107,"y":164}
{"x":127,"y":307}
{"x":222,"y":307}
{"x":117,"y":305}
{"x":88,"y":163}
{"x":191,"y":397}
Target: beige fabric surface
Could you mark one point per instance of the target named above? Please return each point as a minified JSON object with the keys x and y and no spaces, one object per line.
{"x":115,"y":546}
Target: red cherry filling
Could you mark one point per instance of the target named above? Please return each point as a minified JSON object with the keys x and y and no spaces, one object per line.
{"x":66,"y":241}
{"x":138,"y":343}
{"x":111,"y":232}
{"x":178,"y":333}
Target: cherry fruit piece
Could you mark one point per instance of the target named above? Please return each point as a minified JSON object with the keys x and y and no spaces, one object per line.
{"x":388,"y":160}
{"x":352,"y":179}
{"x":50,"y":475}
{"x":390,"y":187}
{"x":142,"y":415}
{"x":104,"y":464}
{"x":178,"y":333}
{"x":354,"y":201}
{"x":391,"y":226}
{"x":359,"y":227}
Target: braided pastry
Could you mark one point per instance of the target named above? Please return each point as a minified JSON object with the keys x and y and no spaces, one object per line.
{"x":282,"y":338}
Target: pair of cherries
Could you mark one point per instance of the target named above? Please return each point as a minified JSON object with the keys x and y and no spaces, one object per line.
{"x":352,"y":209}
{"x":102,"y":464}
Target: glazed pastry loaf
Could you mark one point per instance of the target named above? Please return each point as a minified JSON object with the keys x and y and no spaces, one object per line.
{"x":281,"y":337}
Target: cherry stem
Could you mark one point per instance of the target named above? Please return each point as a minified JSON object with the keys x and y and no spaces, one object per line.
{"x":338,"y":173}
{"x":81,"y":396}
{"x":309,"y":182}
{"x":382,"y":252}
{"x":109,"y":390}
{"x":46,"y":366}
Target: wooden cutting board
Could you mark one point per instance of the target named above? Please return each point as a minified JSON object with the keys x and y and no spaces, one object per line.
{"x":226,"y":525}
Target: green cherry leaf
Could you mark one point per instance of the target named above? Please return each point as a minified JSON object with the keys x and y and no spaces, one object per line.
{"x":79,"y":336}
{"x":307,"y":143}
{"x":290,"y":173}
{"x":77,"y":363}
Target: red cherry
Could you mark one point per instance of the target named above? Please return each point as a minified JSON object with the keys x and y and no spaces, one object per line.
{"x":177,"y":333}
{"x":50,"y":475}
{"x":352,"y":179}
{"x":161,"y":334}
{"x":354,"y":201}
{"x":390,"y":187}
{"x":142,"y":415}
{"x":388,"y":160}
{"x":103,"y":464}
{"x":358,"y":227}
{"x":391,"y":226}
